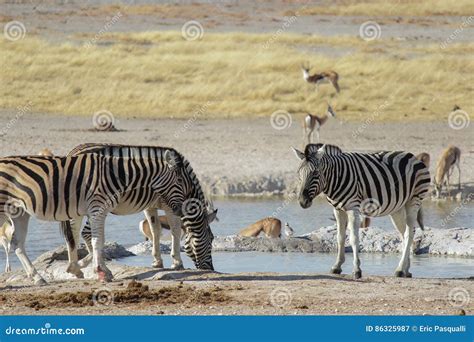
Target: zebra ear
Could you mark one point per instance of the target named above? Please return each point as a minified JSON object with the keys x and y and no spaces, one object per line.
{"x":313,"y":148}
{"x":298,"y":153}
{"x":172,"y":159}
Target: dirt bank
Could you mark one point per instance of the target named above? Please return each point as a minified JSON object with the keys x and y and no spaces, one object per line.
{"x":195,"y":293}
{"x":239,"y":156}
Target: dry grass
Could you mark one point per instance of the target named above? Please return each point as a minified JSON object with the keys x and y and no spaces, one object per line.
{"x":392,"y":7}
{"x":234,"y":74}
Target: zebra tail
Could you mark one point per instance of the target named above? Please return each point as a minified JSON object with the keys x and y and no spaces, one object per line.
{"x":66,"y":231}
{"x":419,"y":218}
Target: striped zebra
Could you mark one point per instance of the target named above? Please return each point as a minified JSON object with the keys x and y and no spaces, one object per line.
{"x":134,"y":203}
{"x":371,"y":184}
{"x":64,"y":188}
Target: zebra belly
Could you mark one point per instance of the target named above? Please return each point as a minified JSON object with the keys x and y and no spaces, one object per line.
{"x":369,"y":206}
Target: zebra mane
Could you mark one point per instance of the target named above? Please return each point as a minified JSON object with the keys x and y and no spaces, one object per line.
{"x":198,"y":192}
{"x":313,"y":149}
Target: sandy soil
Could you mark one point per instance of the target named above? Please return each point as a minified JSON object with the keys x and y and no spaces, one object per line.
{"x":229,"y":153}
{"x":250,"y":293}
{"x":46,"y":18}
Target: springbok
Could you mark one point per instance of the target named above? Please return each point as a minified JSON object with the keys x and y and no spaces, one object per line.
{"x":270,"y":226}
{"x":449,"y":158}
{"x":145,"y":229}
{"x":425,"y":158}
{"x":6,"y":230}
{"x":313,"y":122}
{"x":323,"y":77}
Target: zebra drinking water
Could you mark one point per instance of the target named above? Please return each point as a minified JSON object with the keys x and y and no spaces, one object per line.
{"x":64,"y":188}
{"x":194,"y":218}
{"x":372,"y":184}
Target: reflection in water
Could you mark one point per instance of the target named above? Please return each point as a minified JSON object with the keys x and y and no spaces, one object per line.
{"x":371,"y":263}
{"x":235,"y":214}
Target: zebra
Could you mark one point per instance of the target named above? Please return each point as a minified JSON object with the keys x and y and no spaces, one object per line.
{"x":64,"y":188}
{"x":372,"y":184}
{"x":130,"y":204}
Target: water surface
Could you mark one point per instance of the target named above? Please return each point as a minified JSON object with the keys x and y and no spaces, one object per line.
{"x":235,"y":214}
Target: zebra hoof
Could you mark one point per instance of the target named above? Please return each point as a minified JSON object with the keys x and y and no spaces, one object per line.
{"x":357,"y":274}
{"x":408,"y":274}
{"x":177,"y":267}
{"x":75,"y":270}
{"x":40,"y":281}
{"x":336,"y":270}
{"x":399,"y":274}
{"x":157,"y":264}
{"x":104,"y":276}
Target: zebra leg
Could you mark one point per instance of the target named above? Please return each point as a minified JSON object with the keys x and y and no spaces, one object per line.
{"x":87,"y":237}
{"x":354,"y":218}
{"x":448,"y":185}
{"x":155,"y":225}
{"x":399,"y":220}
{"x":97,"y":227}
{"x":20,"y":226}
{"x":175,"y":227}
{"x":459,"y":175}
{"x":341,"y":220}
{"x":6,"y":246}
{"x":73,"y":266}
{"x":412,"y":215}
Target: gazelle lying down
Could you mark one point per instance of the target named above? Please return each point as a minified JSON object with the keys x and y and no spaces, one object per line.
{"x":144,"y":227}
{"x":6,"y":230}
{"x":449,"y":158}
{"x":270,"y":226}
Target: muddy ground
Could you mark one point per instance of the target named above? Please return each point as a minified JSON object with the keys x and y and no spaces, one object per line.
{"x":243,"y":294}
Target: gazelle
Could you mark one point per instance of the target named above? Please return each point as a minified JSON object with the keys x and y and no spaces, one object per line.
{"x":313,"y":122}
{"x":323,"y":77}
{"x":425,"y":158}
{"x":450,"y":157}
{"x":270,"y":226}
{"x":145,"y":229}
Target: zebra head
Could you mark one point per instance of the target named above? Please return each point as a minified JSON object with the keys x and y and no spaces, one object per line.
{"x":311,"y":179}
{"x":199,"y":237}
